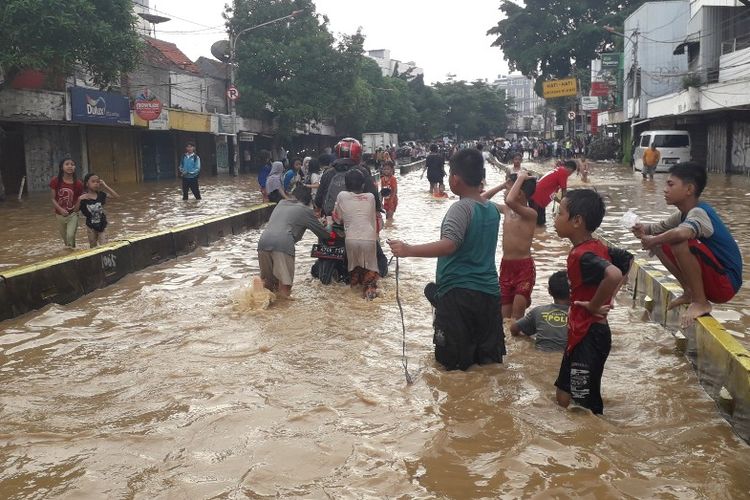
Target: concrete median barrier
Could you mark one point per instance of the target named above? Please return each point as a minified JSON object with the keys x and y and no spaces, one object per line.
{"x":411,"y":167}
{"x":6,"y":310}
{"x":36,"y":285}
{"x":150,"y":249}
{"x":188,"y":237}
{"x":104,"y":265}
{"x":62,"y":280}
{"x":217,"y":228}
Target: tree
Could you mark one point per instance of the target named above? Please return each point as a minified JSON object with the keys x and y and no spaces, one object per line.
{"x":58,"y":35}
{"x":548,"y":39}
{"x":477,"y":109}
{"x":295,"y":73}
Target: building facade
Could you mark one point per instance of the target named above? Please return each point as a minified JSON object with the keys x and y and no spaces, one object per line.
{"x":388,"y":65}
{"x":529,"y":115}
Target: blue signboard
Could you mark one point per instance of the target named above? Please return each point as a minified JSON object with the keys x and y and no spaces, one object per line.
{"x":104,"y":108}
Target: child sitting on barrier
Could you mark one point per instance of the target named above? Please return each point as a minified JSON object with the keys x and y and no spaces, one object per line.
{"x":389,"y":189}
{"x":355,"y":208}
{"x":468,"y":328}
{"x":289,"y":220}
{"x":91,"y":204}
{"x":694,"y":244}
{"x":548,"y":324}
{"x":595,"y":273}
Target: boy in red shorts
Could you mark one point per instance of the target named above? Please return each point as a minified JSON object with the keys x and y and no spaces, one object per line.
{"x":517,"y":270}
{"x":694,"y":244}
{"x":595,"y":273}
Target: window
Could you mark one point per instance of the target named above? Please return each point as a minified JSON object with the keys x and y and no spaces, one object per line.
{"x":671,"y":141}
{"x":644,"y":140}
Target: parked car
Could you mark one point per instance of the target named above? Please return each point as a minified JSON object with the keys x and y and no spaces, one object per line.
{"x":674,"y":146}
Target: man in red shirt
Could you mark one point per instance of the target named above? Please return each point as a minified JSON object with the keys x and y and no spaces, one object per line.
{"x":548,"y":185}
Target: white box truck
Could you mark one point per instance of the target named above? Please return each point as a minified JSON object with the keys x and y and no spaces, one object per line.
{"x":371,"y":141}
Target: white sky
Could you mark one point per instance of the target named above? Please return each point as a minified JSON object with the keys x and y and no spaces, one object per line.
{"x":440,"y":40}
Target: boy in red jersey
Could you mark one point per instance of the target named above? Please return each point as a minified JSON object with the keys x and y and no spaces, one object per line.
{"x":595,"y":273}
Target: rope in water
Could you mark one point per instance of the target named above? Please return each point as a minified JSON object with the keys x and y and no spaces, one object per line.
{"x":404,"y":360}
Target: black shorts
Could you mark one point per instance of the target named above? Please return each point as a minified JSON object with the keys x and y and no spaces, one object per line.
{"x":435,"y":177}
{"x":541,"y":214}
{"x":581,"y":370}
{"x":468,"y":329}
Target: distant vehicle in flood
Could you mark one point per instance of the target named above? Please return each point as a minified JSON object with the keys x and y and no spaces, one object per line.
{"x":673,"y":145}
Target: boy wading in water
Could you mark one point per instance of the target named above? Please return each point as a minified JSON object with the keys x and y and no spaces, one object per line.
{"x":517,"y":270}
{"x":694,"y":244}
{"x":595,"y":273}
{"x":468,"y":328}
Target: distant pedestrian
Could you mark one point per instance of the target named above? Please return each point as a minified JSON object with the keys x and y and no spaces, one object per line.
{"x":651,"y":159}
{"x":91,"y":204}
{"x":265,"y":170}
{"x":275,"y":183}
{"x":190,"y":169}
{"x":435,"y":167}
{"x":293,"y":176}
{"x":312,"y":180}
{"x":66,"y":189}
{"x":389,"y":190}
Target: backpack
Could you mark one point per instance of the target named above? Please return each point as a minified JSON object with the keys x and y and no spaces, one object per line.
{"x":338,"y":184}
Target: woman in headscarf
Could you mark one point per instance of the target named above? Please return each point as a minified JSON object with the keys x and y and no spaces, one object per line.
{"x":274,"y":183}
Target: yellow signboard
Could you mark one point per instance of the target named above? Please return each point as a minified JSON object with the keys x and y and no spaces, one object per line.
{"x":559,"y":88}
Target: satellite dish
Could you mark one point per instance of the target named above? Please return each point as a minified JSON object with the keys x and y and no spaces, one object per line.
{"x":153,"y":18}
{"x":220,"y":50}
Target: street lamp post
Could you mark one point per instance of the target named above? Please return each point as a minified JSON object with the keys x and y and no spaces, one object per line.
{"x":233,"y":37}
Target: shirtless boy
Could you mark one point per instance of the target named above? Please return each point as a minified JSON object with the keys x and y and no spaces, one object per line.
{"x":517,"y":270}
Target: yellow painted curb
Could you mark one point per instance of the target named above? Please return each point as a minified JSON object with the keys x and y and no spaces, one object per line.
{"x":721,"y":362}
{"x":64,"y":279}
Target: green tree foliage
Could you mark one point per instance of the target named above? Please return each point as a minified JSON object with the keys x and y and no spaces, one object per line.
{"x":57,"y":35}
{"x":476,"y":108}
{"x":548,"y":39}
{"x":298,"y":72}
{"x":292,"y":70}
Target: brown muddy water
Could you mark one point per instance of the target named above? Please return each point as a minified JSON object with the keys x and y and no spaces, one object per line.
{"x":161,"y":386}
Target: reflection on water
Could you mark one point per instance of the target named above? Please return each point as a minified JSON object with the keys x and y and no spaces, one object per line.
{"x":159,"y":386}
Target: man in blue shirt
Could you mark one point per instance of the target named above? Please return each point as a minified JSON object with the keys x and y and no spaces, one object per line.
{"x":190,"y":168}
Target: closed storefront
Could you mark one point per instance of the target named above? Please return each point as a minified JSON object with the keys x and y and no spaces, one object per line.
{"x":159,"y":156}
{"x":13,"y":164}
{"x":113,"y":154}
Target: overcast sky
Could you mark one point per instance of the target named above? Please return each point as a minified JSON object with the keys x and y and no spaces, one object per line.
{"x":440,"y":40}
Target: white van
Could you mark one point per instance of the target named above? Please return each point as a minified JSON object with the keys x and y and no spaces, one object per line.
{"x":674,"y":146}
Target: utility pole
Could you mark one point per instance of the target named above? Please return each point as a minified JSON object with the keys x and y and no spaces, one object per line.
{"x":232,"y":55}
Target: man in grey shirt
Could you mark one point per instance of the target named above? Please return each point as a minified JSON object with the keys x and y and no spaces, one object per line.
{"x":288,"y":223}
{"x":548,"y":324}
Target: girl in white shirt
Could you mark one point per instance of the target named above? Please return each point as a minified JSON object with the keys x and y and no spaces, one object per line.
{"x":356,"y":211}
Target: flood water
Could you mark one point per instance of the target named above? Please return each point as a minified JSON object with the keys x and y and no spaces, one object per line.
{"x":160,"y":387}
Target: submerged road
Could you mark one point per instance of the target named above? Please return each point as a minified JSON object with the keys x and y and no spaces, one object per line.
{"x":166,"y":385}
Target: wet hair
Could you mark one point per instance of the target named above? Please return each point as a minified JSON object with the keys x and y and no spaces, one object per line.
{"x":468,"y":164}
{"x":518,"y":155}
{"x":691,"y":172}
{"x":297,"y":160}
{"x":313,"y":166}
{"x":389,"y":163}
{"x":355,"y":180}
{"x":433,"y":148}
{"x":61,"y":172}
{"x":559,"y":287}
{"x":571,"y":164}
{"x":325,"y":159}
{"x":86,"y":180}
{"x":190,"y":143}
{"x":528,"y":187}
{"x":303,"y":194}
{"x":588,"y":204}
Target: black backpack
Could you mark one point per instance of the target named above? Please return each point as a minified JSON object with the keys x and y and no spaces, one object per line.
{"x":338,"y":184}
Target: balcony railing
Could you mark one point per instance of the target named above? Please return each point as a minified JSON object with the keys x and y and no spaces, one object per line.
{"x":735,"y":44}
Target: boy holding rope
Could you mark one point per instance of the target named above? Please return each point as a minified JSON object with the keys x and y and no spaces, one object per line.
{"x":468,"y":328}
